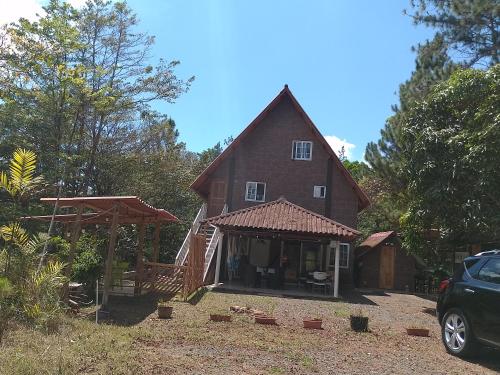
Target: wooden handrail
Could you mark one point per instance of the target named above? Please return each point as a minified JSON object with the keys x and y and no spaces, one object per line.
{"x":164,"y":265}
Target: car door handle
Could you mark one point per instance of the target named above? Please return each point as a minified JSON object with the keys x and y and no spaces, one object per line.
{"x":468,"y":290}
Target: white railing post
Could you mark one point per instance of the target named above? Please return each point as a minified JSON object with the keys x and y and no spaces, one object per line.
{"x":214,"y":240}
{"x":219,"y":256}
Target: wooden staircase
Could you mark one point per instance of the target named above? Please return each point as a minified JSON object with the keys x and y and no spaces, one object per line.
{"x":212,"y":236}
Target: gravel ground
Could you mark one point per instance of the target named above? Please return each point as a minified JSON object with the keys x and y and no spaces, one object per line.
{"x":242,"y":346}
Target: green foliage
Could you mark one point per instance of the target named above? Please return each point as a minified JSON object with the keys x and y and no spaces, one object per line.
{"x":470,"y":27}
{"x":432,"y":65}
{"x":41,"y":302}
{"x":451,"y":158}
{"x":89,"y":263}
{"x":356,"y":168}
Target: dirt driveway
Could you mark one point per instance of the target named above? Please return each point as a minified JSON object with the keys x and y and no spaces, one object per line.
{"x":242,"y":346}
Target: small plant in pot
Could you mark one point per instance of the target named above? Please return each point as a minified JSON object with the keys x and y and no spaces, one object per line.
{"x":164,"y":310}
{"x":220,"y":316}
{"x":417,"y":331}
{"x":359,"y":322}
{"x":313,"y":323}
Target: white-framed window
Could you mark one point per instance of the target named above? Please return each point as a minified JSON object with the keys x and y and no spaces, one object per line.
{"x":319,"y":191}
{"x":344,"y":257}
{"x":302,"y":150}
{"x":255,"y":192}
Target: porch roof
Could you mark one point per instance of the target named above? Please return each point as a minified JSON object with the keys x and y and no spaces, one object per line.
{"x":131,"y":210}
{"x":284,"y":217}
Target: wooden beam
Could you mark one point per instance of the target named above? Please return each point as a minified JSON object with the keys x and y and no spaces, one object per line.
{"x":109,"y":259}
{"x":139,"y":264}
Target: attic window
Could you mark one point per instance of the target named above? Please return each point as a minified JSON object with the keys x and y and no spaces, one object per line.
{"x":302,"y":150}
{"x":256,"y":192}
{"x":319,"y":191}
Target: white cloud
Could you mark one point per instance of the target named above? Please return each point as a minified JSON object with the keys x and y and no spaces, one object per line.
{"x":336,"y":144}
{"x":12,"y":10}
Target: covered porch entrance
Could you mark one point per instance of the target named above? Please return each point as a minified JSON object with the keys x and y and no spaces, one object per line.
{"x":281,"y":246}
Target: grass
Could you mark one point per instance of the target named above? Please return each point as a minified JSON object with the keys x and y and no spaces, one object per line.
{"x":81,"y":346}
{"x":136,"y":342}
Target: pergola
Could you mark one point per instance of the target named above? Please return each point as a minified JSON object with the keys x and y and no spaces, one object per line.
{"x":113,"y":211}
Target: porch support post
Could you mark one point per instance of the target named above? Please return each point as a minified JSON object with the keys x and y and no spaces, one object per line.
{"x":109,"y":259}
{"x":337,"y":268}
{"x":139,"y":265}
{"x":219,"y":256}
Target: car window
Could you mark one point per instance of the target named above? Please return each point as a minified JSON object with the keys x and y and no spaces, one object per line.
{"x":490,"y":272}
{"x":472,"y":266}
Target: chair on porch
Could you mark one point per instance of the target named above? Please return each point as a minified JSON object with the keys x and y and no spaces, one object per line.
{"x":320,"y":279}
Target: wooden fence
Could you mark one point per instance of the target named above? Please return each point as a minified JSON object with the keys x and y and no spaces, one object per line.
{"x":193,"y":276}
{"x":172,"y":279}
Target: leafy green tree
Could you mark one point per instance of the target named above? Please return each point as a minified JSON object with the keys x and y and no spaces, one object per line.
{"x":469,"y":27}
{"x":74,"y":81}
{"x":451,"y":159}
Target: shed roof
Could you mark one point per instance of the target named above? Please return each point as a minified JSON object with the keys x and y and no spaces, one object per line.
{"x":376,"y":239}
{"x":131,"y":210}
{"x":283,"y":216}
{"x":203,"y":177}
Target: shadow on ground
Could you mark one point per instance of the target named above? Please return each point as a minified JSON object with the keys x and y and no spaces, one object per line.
{"x":129,"y":311}
{"x":488,"y":358}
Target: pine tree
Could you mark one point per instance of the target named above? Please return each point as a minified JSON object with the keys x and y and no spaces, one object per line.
{"x":432,"y":65}
{"x":469,"y":27}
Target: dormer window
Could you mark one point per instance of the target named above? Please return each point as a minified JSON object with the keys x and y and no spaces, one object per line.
{"x":302,"y":150}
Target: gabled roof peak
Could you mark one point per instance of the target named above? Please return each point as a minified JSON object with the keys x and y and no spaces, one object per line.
{"x":202,"y":178}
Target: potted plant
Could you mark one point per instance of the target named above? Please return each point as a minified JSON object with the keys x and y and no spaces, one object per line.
{"x":314,"y":323}
{"x":220,"y":317}
{"x":265,"y":319}
{"x":359,"y":322}
{"x":164,"y":310}
{"x":415,"y":331}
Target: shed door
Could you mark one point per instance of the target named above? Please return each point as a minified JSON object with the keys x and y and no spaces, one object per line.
{"x":387,"y":254}
{"x":217,"y":197}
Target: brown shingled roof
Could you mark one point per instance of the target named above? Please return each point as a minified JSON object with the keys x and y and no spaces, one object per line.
{"x":376,"y":239}
{"x":283,"y":216}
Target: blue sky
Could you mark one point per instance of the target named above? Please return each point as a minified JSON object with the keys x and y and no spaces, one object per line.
{"x":343,"y":60}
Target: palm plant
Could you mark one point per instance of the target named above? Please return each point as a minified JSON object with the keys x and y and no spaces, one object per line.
{"x":36,"y":291}
{"x":20,"y":181}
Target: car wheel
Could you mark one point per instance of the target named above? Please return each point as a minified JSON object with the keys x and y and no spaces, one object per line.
{"x":457,"y":334}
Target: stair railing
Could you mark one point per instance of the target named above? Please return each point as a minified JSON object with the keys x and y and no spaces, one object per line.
{"x":211,"y":247}
{"x":180,"y":259}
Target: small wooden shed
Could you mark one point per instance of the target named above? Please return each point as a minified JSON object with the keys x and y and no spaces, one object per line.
{"x":381,"y":263}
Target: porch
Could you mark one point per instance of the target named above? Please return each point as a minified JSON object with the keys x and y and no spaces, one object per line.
{"x":279,"y":246}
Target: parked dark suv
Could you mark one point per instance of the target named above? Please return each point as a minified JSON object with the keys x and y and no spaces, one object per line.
{"x":468,"y":307}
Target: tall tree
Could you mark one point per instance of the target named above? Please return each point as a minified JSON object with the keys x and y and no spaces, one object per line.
{"x":469,"y":27}
{"x":76,"y":79}
{"x":451,"y":159}
{"x":432,"y":65}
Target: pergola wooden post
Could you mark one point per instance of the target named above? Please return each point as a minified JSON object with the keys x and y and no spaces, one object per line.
{"x":139,"y":265}
{"x":156,"y":252}
{"x":75,"y":235}
{"x":109,"y":260}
